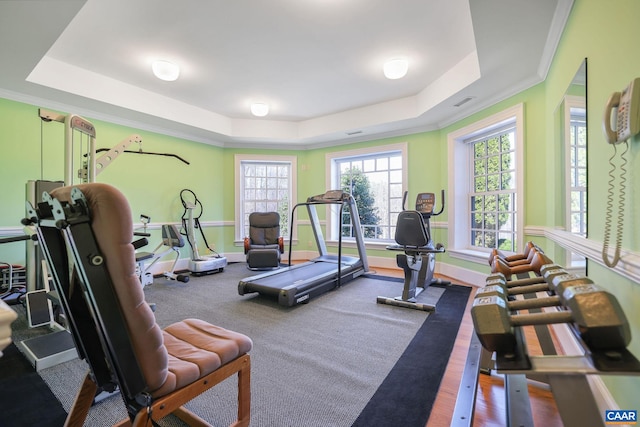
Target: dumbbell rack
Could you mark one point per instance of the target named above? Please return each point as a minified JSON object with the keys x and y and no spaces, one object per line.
{"x":566,"y":376}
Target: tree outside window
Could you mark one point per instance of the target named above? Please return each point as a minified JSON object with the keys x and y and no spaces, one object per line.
{"x":374,"y":176}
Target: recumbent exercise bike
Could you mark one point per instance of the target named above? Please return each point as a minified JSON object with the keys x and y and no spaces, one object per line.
{"x":413,"y":237}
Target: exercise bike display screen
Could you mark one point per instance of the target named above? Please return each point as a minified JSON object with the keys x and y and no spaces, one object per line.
{"x":425,"y":202}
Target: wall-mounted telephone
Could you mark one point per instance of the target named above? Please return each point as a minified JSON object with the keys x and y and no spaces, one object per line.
{"x":625,"y":106}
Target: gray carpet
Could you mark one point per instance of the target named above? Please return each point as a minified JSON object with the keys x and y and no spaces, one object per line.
{"x":315,"y":364}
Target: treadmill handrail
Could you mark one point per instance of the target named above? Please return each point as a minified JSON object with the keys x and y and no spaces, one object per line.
{"x":345,"y":198}
{"x":315,"y":202}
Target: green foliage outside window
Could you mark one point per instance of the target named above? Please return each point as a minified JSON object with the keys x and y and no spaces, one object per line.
{"x":493,"y":217}
{"x":356,"y":183}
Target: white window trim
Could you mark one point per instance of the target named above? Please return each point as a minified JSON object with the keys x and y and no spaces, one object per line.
{"x":459,"y":210}
{"x":331,"y":182}
{"x":238,"y":159}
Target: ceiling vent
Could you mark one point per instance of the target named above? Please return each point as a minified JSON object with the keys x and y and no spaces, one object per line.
{"x":464,"y":101}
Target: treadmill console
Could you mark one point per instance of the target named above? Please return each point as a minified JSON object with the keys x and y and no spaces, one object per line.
{"x":329,"y":196}
{"x":425,"y":203}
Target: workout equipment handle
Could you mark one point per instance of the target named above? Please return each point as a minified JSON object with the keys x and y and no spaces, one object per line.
{"x":534,"y":303}
{"x":17,"y":239}
{"x":541,"y":318}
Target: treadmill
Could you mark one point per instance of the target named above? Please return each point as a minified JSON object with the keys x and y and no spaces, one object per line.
{"x":298,"y":283}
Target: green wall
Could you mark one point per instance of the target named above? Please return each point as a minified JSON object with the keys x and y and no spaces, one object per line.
{"x":611,"y":65}
{"x":604,"y":32}
{"x":32,"y":149}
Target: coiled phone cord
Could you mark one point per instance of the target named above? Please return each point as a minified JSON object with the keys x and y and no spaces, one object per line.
{"x":609,"y":212}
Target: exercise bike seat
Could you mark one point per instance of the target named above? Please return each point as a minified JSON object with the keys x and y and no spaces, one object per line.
{"x":411,"y":235}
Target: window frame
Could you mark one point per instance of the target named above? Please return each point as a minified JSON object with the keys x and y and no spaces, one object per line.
{"x":572,"y":102}
{"x":331,"y":162}
{"x":239,"y":159}
{"x":486,"y":193}
{"x":459,"y":209}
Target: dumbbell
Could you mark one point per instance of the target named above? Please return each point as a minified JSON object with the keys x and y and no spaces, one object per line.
{"x":517,"y":259}
{"x":500,"y":292}
{"x":538,"y":259}
{"x":596,"y":313}
{"x":550,"y":270}
{"x":506,"y":289}
{"x":556,"y":280}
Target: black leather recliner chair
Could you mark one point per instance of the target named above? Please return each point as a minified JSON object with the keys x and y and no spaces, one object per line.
{"x":264,"y":245}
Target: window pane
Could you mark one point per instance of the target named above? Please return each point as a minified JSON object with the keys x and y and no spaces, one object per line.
{"x":395,"y":162}
{"x":266,"y":189}
{"x":375,"y":181}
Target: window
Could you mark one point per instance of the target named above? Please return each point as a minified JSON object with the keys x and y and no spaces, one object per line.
{"x":577,"y":181}
{"x":492,"y":193}
{"x":264,"y":184}
{"x":375,"y":177}
{"x":485,"y":186}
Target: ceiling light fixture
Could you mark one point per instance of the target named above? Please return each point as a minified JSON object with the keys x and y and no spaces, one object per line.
{"x":395,"y":68}
{"x":259,"y":109}
{"x":165,"y":70}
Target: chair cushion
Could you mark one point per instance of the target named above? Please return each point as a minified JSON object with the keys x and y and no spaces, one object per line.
{"x":264,"y":228}
{"x":263,"y":258}
{"x":197,"y":348}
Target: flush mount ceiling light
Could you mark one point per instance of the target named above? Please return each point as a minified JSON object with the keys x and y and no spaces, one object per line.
{"x":395,"y":68}
{"x":165,"y":70}
{"x":259,"y":109}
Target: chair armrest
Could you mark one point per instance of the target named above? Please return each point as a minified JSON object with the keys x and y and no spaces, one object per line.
{"x":281,"y":244}
{"x":247,"y":245}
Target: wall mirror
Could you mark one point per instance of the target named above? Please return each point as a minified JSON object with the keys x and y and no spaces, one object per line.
{"x":571,"y":123}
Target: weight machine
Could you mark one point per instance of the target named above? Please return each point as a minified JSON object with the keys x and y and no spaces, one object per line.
{"x":172,"y":241}
{"x":80,"y":166}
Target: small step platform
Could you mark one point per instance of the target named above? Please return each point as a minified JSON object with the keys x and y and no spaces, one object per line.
{"x":49,"y":350}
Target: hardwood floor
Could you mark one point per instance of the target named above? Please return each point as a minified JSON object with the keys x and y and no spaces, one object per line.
{"x":490,"y":401}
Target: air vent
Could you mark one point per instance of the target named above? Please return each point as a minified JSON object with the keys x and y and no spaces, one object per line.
{"x":464,"y":101}
{"x":355,"y":132}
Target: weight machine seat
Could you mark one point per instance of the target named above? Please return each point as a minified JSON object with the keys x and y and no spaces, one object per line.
{"x":264,"y":246}
{"x":176,"y":364}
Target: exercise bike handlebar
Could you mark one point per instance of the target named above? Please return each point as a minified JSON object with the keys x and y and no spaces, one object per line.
{"x":441,"y":203}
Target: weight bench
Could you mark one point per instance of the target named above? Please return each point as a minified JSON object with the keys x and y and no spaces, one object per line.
{"x":85,"y":232}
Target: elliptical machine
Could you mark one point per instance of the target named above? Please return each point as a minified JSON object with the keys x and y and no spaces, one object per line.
{"x":199,"y":265}
{"x":413,"y":237}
